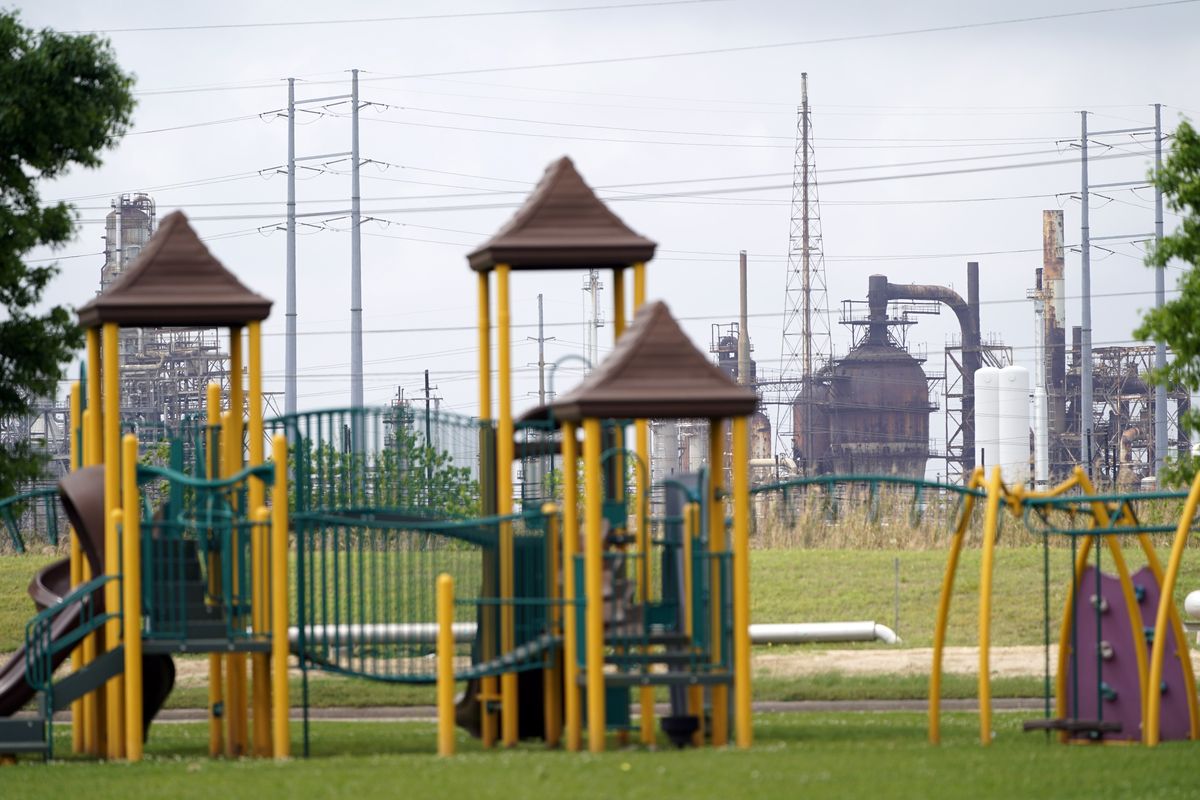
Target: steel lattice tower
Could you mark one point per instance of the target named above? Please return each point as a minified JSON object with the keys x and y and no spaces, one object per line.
{"x":807,"y":340}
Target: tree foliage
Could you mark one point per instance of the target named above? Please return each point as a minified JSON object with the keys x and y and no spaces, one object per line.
{"x":65,"y":101}
{"x":1176,"y":322}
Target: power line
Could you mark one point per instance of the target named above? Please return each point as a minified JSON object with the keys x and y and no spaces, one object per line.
{"x":409,"y":18}
{"x":709,"y":51}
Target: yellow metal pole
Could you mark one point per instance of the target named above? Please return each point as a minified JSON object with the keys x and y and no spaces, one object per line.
{"x":216,"y":673}
{"x":990,"y":520}
{"x":76,"y":427}
{"x":488,"y":685}
{"x":504,"y":502}
{"x":642,"y":445}
{"x":741,"y":582}
{"x":618,"y":302}
{"x":716,"y":546}
{"x":279,"y":598}
{"x":114,"y":690}
{"x":691,"y":533}
{"x":593,"y":556}
{"x":1158,"y":651}
{"x":943,"y":609}
{"x":445,"y":664}
{"x":552,"y":674}
{"x":239,"y":716}
{"x":259,"y":540}
{"x":570,"y":545}
{"x":235,"y":711}
{"x":131,"y":587}
{"x":642,"y":518}
{"x":91,"y":701}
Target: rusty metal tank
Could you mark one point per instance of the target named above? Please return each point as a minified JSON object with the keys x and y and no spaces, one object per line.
{"x":869,"y":413}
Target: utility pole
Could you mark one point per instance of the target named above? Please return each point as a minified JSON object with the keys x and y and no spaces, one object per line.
{"x":289,"y":370}
{"x":541,"y":340}
{"x":592,"y":286}
{"x":1085,"y":317}
{"x":1160,"y":287}
{"x":356,"y":333}
{"x":428,"y":433}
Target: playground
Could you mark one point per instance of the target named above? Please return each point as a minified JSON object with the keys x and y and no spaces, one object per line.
{"x":586,"y":609}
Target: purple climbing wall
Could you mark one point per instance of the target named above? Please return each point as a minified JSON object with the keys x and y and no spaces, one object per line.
{"x":1102,"y":675}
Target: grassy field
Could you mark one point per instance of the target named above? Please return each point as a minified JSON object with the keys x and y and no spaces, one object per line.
{"x":880,"y":755}
{"x":801,"y":585}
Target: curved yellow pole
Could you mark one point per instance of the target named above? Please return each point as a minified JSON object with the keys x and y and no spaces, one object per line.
{"x":93,"y":734}
{"x":131,"y":589}
{"x":943,"y":609}
{"x":995,"y":488}
{"x":445,"y":664}
{"x":570,"y":546}
{"x":1166,"y":600}
{"x":1189,"y":675}
{"x":114,"y":690}
{"x":593,"y":584}
{"x":741,"y":582}
{"x":1133,"y":612}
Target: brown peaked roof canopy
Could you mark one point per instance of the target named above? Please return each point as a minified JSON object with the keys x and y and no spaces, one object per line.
{"x":176,"y":283}
{"x":563,"y":225}
{"x":654,"y":372}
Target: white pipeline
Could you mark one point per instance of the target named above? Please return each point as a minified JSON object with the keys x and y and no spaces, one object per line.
{"x":426,"y":633}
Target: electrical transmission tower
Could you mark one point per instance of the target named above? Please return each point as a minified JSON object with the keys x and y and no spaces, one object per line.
{"x":807,"y":341}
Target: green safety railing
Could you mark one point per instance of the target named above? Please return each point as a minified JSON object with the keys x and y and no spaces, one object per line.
{"x":37,"y":508}
{"x":400,"y":458}
{"x":196,"y":555}
{"x":43,"y":648}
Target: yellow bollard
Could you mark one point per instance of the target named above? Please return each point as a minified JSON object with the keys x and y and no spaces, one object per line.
{"x":445,"y":664}
{"x":279,"y":599}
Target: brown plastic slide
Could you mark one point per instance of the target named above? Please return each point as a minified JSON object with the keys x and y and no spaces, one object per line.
{"x":83,"y":498}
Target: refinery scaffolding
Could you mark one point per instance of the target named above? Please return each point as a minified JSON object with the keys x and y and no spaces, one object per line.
{"x":164,"y":371}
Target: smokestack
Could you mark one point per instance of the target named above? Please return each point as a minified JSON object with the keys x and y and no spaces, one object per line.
{"x":1054,"y":326}
{"x":972,"y":361}
{"x":743,"y":351}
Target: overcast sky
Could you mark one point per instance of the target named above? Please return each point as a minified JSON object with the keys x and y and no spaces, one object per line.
{"x":497,"y":104}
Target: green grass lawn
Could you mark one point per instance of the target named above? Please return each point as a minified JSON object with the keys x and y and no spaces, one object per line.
{"x":792,"y":585}
{"x":880,"y":755}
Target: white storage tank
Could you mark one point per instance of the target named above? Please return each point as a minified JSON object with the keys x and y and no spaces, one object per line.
{"x":1013,"y":402}
{"x":987,"y":417}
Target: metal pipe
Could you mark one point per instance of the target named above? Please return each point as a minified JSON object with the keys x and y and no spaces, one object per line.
{"x":1085,"y":315}
{"x":464,"y":633}
{"x":967,"y":313}
{"x":743,"y":344}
